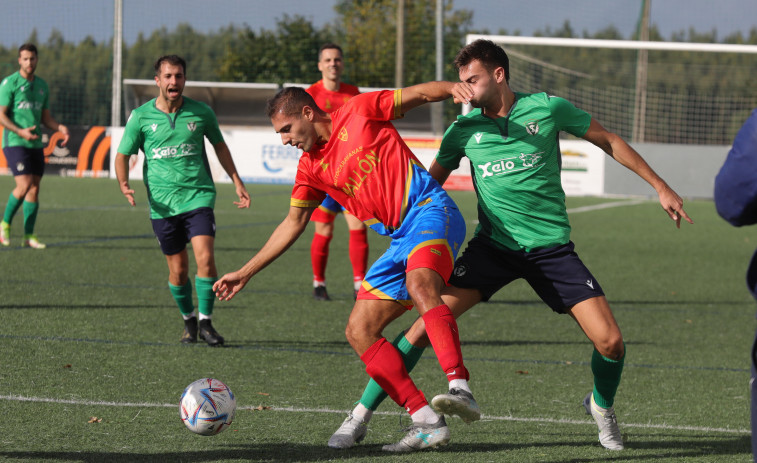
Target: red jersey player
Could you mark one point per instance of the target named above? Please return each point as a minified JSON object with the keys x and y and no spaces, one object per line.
{"x":330,"y":93}
{"x":356,"y":155}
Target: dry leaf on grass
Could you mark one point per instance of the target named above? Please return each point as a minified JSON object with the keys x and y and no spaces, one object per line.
{"x":94,"y":419}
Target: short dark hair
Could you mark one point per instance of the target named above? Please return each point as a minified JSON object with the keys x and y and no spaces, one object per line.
{"x":327,"y":46}
{"x":175,"y":60}
{"x":28,"y":47}
{"x":487,"y":52}
{"x":290,"y":101}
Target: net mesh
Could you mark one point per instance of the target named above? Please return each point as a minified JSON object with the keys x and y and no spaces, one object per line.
{"x":692,"y":97}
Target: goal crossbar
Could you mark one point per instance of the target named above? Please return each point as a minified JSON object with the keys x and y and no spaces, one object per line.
{"x":625,"y":44}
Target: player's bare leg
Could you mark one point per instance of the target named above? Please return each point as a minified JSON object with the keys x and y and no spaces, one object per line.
{"x":425,"y":287}
{"x":598,"y":323}
{"x":385,"y":365}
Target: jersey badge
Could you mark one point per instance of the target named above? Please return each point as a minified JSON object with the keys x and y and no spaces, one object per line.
{"x":343,"y":134}
{"x":460,"y":270}
{"x":478,"y":136}
{"x":532,"y":127}
{"x":191,"y":126}
{"x":154,"y":127}
{"x":530,"y":160}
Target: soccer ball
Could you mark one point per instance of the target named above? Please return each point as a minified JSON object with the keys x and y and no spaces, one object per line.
{"x":207,"y":406}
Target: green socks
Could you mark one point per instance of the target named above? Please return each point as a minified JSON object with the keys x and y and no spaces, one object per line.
{"x":30,"y":217}
{"x":205,"y":295}
{"x":606,"y":378}
{"x":183,"y":297}
{"x":11,"y":208}
{"x":373,"y":395}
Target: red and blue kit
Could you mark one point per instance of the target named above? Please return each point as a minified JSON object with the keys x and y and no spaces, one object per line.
{"x":328,"y":100}
{"x":368,"y":168}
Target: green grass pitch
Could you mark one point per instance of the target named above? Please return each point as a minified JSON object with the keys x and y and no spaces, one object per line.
{"x":88,"y":329}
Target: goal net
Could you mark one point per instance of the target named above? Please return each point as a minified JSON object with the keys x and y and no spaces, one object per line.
{"x":683,"y":93}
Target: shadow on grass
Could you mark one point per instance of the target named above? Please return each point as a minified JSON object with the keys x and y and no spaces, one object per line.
{"x":674,"y":447}
{"x":288,"y":451}
{"x":80,"y":306}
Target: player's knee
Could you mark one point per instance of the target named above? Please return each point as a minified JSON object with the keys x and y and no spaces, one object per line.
{"x":612,"y":347}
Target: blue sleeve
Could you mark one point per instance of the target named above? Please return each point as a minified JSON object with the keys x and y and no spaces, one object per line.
{"x":736,"y":183}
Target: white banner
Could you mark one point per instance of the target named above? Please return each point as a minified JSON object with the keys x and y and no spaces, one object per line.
{"x":583,"y":168}
{"x":261,"y":158}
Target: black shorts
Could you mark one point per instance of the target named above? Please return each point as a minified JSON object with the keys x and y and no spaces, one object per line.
{"x":175,"y":232}
{"x":25,"y":161}
{"x":556,"y":274}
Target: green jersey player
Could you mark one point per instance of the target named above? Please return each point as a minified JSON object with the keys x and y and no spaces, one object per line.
{"x":24,"y":104}
{"x":511,"y":141}
{"x":170,"y":130}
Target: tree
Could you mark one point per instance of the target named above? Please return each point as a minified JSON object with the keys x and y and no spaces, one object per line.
{"x":287,"y":54}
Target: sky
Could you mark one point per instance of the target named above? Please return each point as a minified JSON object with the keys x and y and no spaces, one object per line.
{"x":77,"y":19}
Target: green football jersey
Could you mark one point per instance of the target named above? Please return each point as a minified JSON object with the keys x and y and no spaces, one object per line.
{"x":515,"y":164}
{"x":176,"y":170}
{"x":25,"y":101}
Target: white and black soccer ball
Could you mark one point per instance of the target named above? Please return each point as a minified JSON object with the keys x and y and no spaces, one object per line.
{"x":207,"y":406}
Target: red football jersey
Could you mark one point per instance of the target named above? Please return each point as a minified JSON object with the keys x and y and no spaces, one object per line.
{"x":331,"y":101}
{"x":365,"y":166}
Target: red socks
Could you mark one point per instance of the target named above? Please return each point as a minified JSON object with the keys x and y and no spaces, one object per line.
{"x":359,"y":253}
{"x":384,"y":364}
{"x":319,"y":255}
{"x":441,"y":328}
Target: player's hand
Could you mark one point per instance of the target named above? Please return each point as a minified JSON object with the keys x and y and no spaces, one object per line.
{"x":462,"y":92}
{"x":673,"y":205}
{"x":244,"y":198}
{"x":129,"y":193}
{"x":28,"y":133}
{"x":229,"y":285}
{"x":64,"y":130}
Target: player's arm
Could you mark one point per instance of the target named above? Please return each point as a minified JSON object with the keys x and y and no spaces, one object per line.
{"x":27,"y":133}
{"x":429,"y":92}
{"x":284,"y":236}
{"x":227,"y":162}
{"x":50,"y":122}
{"x":438,"y":172}
{"x":622,"y":152}
{"x":122,"y":174}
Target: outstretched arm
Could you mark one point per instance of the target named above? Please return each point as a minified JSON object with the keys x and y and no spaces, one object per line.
{"x":285,"y":234}
{"x":224,"y":157}
{"x":622,"y":152}
{"x":429,"y":92}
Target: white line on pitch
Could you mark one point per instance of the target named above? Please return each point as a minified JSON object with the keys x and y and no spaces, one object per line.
{"x":18,"y":398}
{"x":596,"y":207}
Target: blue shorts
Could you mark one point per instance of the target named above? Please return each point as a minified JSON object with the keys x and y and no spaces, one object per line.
{"x":25,"y":161}
{"x":556,"y":274}
{"x":432,"y":241}
{"x":175,"y":232}
{"x":327,"y":211}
